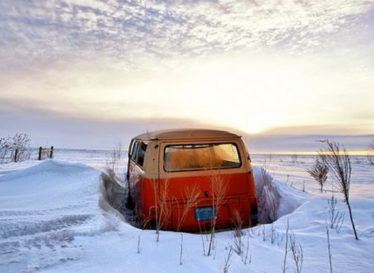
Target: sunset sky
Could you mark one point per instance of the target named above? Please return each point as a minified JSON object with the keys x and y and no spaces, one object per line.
{"x":90,"y":70}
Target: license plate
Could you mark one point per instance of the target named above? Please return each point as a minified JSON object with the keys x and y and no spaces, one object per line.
{"x":207,"y":213}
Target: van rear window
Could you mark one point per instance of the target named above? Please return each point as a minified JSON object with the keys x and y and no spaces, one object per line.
{"x":188,"y":157}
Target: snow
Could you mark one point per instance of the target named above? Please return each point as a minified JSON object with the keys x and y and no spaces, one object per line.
{"x":53,"y":219}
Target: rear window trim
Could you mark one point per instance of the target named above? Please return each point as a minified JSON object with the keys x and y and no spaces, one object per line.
{"x":200,"y":169}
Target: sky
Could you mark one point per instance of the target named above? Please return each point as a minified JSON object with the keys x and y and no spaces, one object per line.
{"x":86,"y":73}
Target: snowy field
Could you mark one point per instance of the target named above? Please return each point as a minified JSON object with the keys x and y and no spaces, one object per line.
{"x":53,"y":219}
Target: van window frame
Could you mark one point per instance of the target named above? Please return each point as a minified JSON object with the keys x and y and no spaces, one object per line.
{"x":131,"y":147}
{"x":202,"y":169}
{"x":135,"y":149}
{"x":137,"y":144}
{"x":138,"y":155}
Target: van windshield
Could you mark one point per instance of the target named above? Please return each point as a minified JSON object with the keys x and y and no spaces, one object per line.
{"x":188,"y":157}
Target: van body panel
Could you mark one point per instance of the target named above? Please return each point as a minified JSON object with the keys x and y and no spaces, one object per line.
{"x":136,"y":176}
{"x":172,"y":198}
{"x":178,"y":188}
{"x":186,"y":220}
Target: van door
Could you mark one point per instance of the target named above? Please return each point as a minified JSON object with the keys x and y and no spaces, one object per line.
{"x":129,"y":153}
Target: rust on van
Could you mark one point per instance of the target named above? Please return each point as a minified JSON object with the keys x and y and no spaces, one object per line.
{"x":191,"y":180}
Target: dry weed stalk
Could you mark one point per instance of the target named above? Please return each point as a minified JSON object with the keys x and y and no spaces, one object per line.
{"x":329,"y":247}
{"x":248,"y":256}
{"x":336,"y":218}
{"x":263,"y":233}
{"x":297,"y":253}
{"x":202,"y":238}
{"x":115,"y":157}
{"x":219,"y":189}
{"x":273,"y":234}
{"x":339,"y":162}
{"x":238,"y":234}
{"x":162,"y":211}
{"x":181,"y":250}
{"x":286,"y":248}
{"x":227,"y":261}
{"x":191,"y":196}
{"x":138,"y":250}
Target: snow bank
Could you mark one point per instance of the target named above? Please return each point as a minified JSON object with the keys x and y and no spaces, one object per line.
{"x":53,"y":219}
{"x":275,"y":198}
{"x":42,"y":209}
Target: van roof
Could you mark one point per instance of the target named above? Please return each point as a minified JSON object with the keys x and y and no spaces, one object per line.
{"x":187,"y":134}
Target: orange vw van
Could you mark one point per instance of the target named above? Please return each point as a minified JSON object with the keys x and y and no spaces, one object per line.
{"x":190,"y":180}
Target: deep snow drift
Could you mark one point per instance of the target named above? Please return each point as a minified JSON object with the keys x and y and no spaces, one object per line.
{"x":53,"y":219}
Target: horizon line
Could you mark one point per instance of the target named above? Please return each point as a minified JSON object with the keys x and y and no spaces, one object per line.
{"x":352,"y":153}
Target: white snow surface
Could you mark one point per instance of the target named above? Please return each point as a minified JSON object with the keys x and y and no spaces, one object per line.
{"x":53,"y":219}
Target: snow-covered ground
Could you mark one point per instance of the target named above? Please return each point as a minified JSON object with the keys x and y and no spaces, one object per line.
{"x":53,"y":219}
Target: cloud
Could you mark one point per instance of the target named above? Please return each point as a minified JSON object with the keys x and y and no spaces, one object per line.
{"x":251,"y":65}
{"x":251,"y":93}
{"x":68,"y":131}
{"x":62,"y":131}
{"x":45,"y":31}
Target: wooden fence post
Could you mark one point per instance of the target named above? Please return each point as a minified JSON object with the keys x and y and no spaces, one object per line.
{"x":15,"y":155}
{"x":51,"y":152}
{"x":40,"y":153}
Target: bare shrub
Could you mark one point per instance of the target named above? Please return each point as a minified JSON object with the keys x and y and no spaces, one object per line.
{"x":115,"y":157}
{"x":114,"y":193}
{"x":15,"y":148}
{"x":339,"y":162}
{"x":21,"y":147}
{"x":297,"y":253}
{"x":5,"y":148}
{"x":116,"y":185}
{"x":319,"y":172}
{"x":268,"y":198}
{"x":336,"y":218}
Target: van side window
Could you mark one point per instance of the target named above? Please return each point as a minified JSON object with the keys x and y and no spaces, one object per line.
{"x":142,"y":150}
{"x":135,"y":150}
